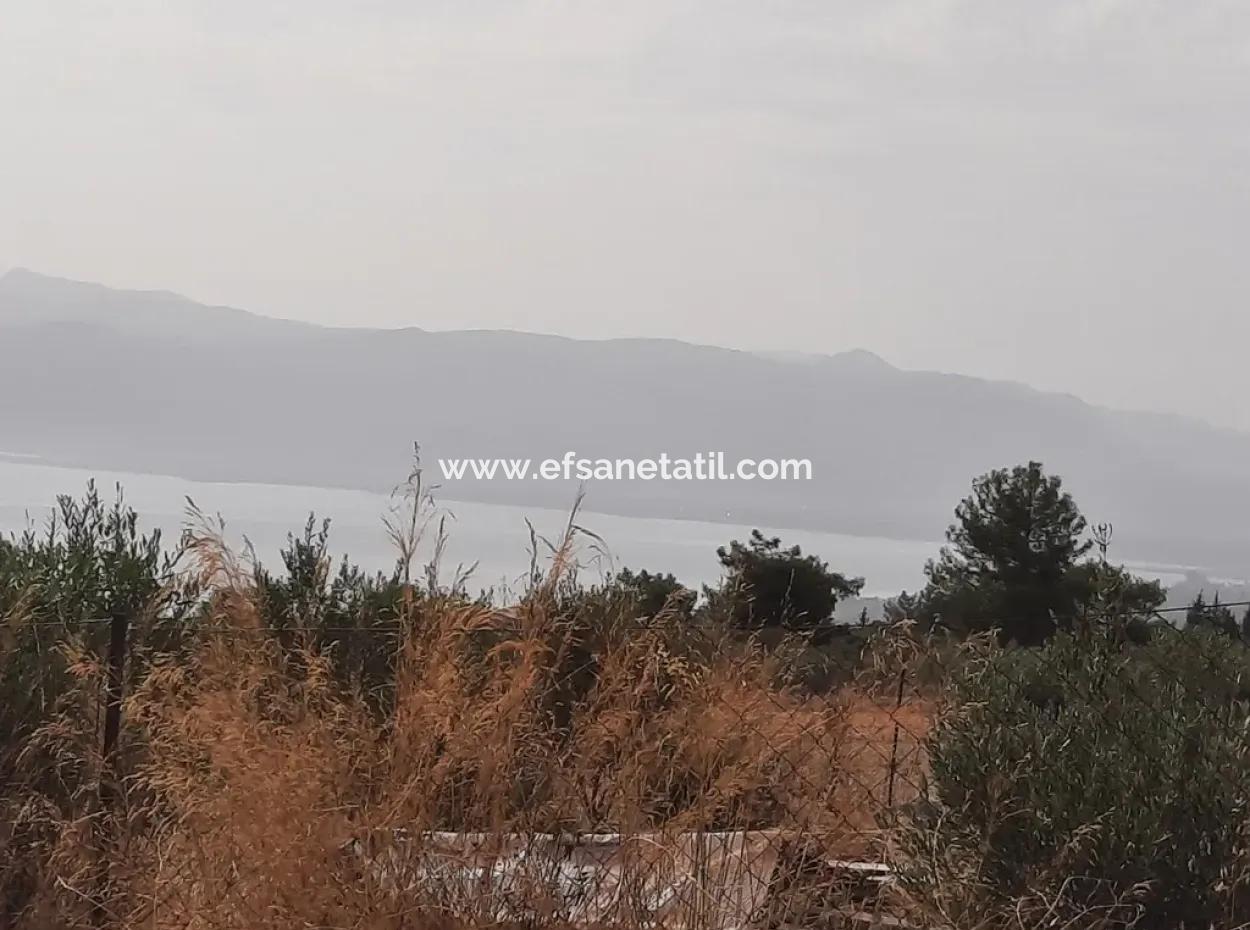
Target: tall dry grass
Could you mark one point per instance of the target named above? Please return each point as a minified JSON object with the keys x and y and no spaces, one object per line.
{"x":255,"y":790}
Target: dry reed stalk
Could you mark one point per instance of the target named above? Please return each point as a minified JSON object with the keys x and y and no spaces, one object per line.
{"x":253,"y":770}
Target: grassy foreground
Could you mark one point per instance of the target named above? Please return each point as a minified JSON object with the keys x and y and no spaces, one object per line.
{"x":306,"y":749}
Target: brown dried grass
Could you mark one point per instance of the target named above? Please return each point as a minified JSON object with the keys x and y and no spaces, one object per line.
{"x":249,"y":770}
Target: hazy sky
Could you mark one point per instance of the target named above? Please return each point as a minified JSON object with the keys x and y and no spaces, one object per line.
{"x":1057,"y":192}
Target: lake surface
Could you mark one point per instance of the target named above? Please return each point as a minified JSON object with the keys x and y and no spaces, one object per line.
{"x":494,"y":536}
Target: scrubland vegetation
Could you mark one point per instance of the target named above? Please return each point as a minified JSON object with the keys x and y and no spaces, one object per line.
{"x":1077,"y":764}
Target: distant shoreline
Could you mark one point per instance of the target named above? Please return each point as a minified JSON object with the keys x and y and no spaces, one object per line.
{"x":1149,"y":566}
{"x":643,"y":512}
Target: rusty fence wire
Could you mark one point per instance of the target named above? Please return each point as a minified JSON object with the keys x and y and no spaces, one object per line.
{"x":523,"y":771}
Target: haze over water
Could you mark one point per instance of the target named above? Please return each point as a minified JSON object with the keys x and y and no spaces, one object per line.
{"x":496,"y":536}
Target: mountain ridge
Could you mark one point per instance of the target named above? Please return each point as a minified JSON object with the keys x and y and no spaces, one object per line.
{"x":863,"y":359}
{"x":145,"y":382}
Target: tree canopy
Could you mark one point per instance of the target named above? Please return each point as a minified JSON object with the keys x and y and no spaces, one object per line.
{"x":768,"y":586}
{"x":1014,"y":562}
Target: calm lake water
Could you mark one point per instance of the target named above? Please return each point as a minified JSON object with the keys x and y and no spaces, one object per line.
{"x":494,"y":536}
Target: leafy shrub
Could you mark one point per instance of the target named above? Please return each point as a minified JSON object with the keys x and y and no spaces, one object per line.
{"x":1107,"y":779}
{"x":768,"y":586}
{"x":58,"y":586}
{"x":351,"y":614}
{"x":89,"y":562}
{"x":657,"y":591}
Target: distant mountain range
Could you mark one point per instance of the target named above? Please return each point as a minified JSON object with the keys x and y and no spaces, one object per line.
{"x":151,"y":381}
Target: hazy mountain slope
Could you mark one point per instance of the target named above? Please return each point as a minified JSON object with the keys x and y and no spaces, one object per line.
{"x":155,"y":382}
{"x":27,"y":298}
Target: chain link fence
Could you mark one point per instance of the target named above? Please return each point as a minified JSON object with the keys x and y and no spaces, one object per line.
{"x":544,"y":766}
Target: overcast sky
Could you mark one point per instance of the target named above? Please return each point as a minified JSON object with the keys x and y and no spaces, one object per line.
{"x":1056,"y":192}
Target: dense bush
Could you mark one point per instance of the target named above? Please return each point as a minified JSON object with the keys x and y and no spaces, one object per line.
{"x":89,"y":562}
{"x":1092,"y":776}
{"x":766,"y":585}
{"x":350,"y":614}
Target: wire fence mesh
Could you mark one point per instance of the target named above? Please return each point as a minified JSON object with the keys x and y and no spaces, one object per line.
{"x":523,"y":768}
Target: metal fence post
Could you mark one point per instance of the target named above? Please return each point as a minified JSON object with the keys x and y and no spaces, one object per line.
{"x":119,"y":626}
{"x":898,"y":704}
